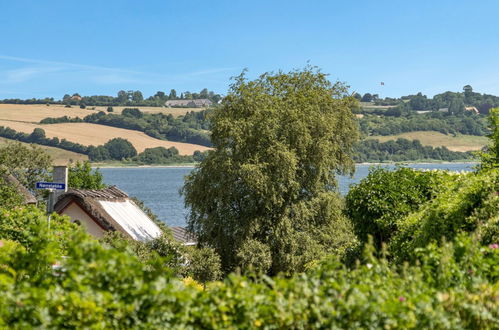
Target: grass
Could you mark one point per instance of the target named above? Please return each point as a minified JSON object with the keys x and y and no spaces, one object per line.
{"x":59,"y":156}
{"x":436,"y":139}
{"x":93,"y":134}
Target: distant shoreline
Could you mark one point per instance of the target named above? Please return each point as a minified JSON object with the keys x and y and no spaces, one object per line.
{"x":192,"y":165}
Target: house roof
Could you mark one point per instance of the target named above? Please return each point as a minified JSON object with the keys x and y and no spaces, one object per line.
{"x":111,"y":209}
{"x":181,"y":235}
{"x":28,"y":196}
{"x":196,"y":102}
{"x":474,"y":109}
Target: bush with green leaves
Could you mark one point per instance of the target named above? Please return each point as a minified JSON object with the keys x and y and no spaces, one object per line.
{"x":380,"y":201}
{"x":491,"y":157}
{"x":62,"y":278}
{"x":203,"y":264}
{"x":466,"y":203}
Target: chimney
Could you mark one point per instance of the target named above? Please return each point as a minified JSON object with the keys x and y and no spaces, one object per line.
{"x":59,"y":175}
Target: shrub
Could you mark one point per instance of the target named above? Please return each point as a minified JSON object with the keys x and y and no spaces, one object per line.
{"x":62,"y":278}
{"x":468,"y":202}
{"x":379,"y":202}
{"x":204,"y":265}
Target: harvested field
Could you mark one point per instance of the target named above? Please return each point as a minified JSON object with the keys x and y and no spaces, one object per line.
{"x":93,"y":134}
{"x":33,"y":113}
{"x":36,"y":112}
{"x":59,"y":156}
{"x":436,"y":139}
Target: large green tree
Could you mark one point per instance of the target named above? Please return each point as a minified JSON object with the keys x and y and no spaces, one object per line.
{"x":82,"y":176}
{"x":28,"y":163}
{"x":279,"y":142}
{"x":120,"y":148}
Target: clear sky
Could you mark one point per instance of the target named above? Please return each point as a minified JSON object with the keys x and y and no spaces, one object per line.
{"x":49,"y":48}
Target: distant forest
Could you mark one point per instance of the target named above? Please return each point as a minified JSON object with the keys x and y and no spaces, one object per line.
{"x":123,"y":98}
{"x":451,"y":102}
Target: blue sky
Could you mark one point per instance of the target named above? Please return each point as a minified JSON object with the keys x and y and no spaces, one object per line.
{"x":49,"y":48}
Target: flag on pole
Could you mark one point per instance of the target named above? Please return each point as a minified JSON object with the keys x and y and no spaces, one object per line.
{"x":382,"y":84}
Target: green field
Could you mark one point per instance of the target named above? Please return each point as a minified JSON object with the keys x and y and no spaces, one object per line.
{"x":436,"y":139}
{"x":59,"y":156}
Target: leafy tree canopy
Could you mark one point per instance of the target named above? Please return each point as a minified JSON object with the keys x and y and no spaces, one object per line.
{"x":279,"y":141}
{"x":81,"y":176}
{"x":120,"y":148}
{"x":28,"y":164}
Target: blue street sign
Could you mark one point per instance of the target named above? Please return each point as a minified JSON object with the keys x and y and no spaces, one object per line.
{"x":50,"y":185}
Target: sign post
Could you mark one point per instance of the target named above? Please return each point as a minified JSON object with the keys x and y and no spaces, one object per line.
{"x":52,"y":187}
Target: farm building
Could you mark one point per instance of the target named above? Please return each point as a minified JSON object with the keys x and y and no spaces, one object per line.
{"x":198,"y":103}
{"x":108,"y":209}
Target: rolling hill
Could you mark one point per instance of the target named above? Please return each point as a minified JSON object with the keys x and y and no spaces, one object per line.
{"x":59,"y":156}
{"x":93,"y":134}
{"x":436,"y":139}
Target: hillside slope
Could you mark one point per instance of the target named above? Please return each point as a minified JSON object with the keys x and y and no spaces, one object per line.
{"x":436,"y":139}
{"x":93,"y":134}
{"x":59,"y":156}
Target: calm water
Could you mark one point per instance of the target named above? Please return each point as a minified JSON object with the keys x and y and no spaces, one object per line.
{"x":159,"y":187}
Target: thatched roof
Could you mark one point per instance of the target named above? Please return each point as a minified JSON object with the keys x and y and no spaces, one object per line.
{"x":28,"y":196}
{"x":113,"y":210}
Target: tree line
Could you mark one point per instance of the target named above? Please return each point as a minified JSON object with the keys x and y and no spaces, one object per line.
{"x":123,"y":98}
{"x":454,"y":101}
{"x":117,"y":149}
{"x":440,"y":122}
{"x":399,"y":150}
{"x":190,"y":128}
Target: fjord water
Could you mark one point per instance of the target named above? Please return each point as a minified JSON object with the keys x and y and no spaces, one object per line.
{"x":159,"y":187}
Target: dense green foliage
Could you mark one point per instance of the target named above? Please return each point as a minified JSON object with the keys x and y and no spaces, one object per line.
{"x":279,"y":142}
{"x":399,"y":150}
{"x":378,"y":204}
{"x":490,"y":159}
{"x":443,"y":123}
{"x":466,"y":203}
{"x":82,"y":176}
{"x":28,"y":164}
{"x":120,"y":148}
{"x":61,"y":278}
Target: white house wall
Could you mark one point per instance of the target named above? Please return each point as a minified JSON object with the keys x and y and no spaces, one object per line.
{"x":76,"y":213}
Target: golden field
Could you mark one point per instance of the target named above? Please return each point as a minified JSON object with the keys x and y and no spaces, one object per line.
{"x":59,"y":156}
{"x":436,"y":139}
{"x":33,"y":113}
{"x":93,"y":134}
